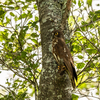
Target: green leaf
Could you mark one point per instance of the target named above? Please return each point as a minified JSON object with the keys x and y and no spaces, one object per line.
{"x":12,"y":14}
{"x":79,"y":3}
{"x":76,"y":48}
{"x":71,"y":21}
{"x":22,"y":95}
{"x":24,"y":7}
{"x":1,"y":38}
{"x":14,"y":75}
{"x":89,"y":2}
{"x":95,"y":18}
{"x":10,"y":45}
{"x":36,"y":27}
{"x":25,"y":28}
{"x":35,"y":65}
{"x":34,"y":24}
{"x":10,"y":7}
{"x":23,"y":54}
{"x":28,"y":69}
{"x":35,"y":7}
{"x":35,"y":41}
{"x":36,"y":18}
{"x":78,"y":33}
{"x":91,"y":51}
{"x":74,"y":1}
{"x":34,"y":35}
{"x":80,"y":56}
{"x":34,"y":55}
{"x":24,"y":15}
{"x":2,"y":13}
{"x":8,"y":83}
{"x":8,"y":20}
{"x":99,"y":31}
{"x":97,"y":12}
{"x":17,"y":7}
{"x":75,"y":97}
{"x":82,"y":86}
{"x":28,"y":49}
{"x":80,"y":65}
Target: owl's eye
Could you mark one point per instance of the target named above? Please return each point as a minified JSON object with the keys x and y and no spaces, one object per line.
{"x":56,"y":33}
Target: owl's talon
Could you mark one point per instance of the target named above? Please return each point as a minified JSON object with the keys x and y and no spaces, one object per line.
{"x":58,"y":67}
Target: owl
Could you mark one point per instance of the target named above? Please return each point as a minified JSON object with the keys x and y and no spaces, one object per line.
{"x":63,"y":56}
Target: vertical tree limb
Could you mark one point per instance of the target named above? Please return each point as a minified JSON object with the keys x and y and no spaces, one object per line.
{"x":52,"y":86}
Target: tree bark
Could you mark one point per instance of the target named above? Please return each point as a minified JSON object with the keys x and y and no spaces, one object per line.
{"x":52,"y":86}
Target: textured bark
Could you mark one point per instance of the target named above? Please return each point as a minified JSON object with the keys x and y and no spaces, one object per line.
{"x":52,"y":86}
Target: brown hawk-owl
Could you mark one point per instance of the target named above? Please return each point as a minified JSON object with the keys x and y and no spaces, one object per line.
{"x":63,"y":56}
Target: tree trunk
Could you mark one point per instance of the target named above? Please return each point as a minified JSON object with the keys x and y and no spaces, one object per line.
{"x":52,"y":86}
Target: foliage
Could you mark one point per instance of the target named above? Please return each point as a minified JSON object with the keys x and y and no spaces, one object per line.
{"x":85,"y":26}
{"x":19,"y":44}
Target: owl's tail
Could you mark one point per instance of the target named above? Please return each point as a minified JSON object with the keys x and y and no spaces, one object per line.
{"x":72,"y":73}
{"x":73,"y":77}
{"x":73,"y":83}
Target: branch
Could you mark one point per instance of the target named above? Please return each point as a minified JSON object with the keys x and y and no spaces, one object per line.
{"x":16,"y":73}
{"x":91,"y":22}
{"x":65,"y":14}
{"x":5,"y":26}
{"x":84,"y":34}
{"x":88,"y":80}
{"x":86,"y":66}
{"x":2,"y":94}
{"x":9,"y":90}
{"x":86,"y":95}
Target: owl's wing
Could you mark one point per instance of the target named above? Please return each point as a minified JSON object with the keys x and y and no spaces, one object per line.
{"x":71,"y":71}
{"x":62,"y":52}
{"x":68,"y":60}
